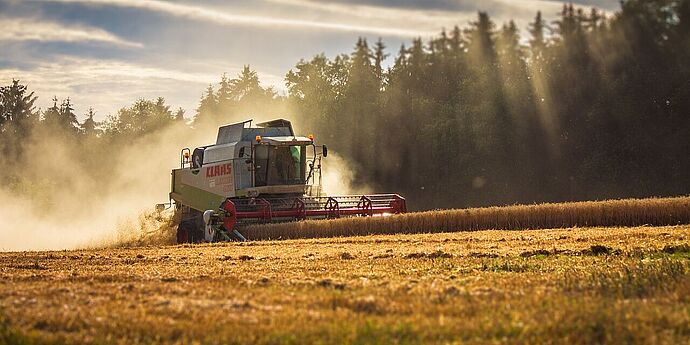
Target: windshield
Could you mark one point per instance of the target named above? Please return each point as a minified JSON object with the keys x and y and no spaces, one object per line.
{"x":280,"y":165}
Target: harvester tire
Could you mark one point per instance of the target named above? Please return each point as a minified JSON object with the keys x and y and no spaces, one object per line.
{"x":182,"y":233}
{"x":187,"y":232}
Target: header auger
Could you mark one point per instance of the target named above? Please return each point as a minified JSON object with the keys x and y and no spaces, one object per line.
{"x":259,"y":174}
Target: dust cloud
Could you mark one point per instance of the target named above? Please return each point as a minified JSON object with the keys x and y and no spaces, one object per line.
{"x":77,"y":199}
{"x":339,"y":177}
{"x":70,"y":196}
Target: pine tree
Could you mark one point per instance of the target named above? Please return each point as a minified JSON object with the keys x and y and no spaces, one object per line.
{"x":161,"y":115}
{"x":17,"y":119}
{"x":359,"y":102}
{"x":225,"y":91}
{"x":68,"y":120}
{"x":179,"y":115}
{"x":89,"y":127}
{"x":400,"y":60}
{"x":456,"y":42}
{"x":52,"y":115}
{"x":509,"y":41}
{"x":595,"y":20}
{"x":537,"y":42}
{"x":245,"y":85}
{"x":17,"y":108}
{"x":311,"y":86}
{"x":62,"y":117}
{"x":379,"y":56}
{"x":481,"y":40}
{"x":208,"y":106}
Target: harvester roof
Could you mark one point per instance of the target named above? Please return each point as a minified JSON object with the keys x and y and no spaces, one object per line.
{"x":243,"y":131}
{"x":285,"y":140}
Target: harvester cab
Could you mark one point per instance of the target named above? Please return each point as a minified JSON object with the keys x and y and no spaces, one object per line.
{"x":259,"y":174}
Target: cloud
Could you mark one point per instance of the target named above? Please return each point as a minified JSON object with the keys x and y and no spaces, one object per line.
{"x":431,"y":16}
{"x":460,"y":5}
{"x":24,"y":29}
{"x":425,"y":22}
{"x":108,"y":85}
{"x":391,"y":20}
{"x":227,"y":18}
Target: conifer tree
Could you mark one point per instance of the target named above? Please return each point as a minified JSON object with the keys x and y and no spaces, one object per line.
{"x":67,"y":119}
{"x":17,"y":108}
{"x":538,"y":41}
{"x":89,"y":126}
{"x":379,"y":56}
{"x":208,"y":106}
{"x":179,"y":115}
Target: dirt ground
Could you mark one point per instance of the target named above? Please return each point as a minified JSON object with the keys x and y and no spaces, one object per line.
{"x":580,"y":285}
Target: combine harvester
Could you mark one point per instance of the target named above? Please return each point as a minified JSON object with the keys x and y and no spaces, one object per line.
{"x":259,"y":174}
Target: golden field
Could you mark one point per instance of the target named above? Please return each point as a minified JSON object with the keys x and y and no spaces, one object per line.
{"x":626,"y":212}
{"x":570,"y":286}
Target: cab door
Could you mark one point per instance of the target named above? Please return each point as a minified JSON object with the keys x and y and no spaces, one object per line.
{"x":261,"y":153}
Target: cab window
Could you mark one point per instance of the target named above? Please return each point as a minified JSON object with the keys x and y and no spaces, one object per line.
{"x":280,"y":165}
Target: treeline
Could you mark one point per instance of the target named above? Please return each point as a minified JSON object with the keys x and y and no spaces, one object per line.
{"x":585,"y":107}
{"x":46,"y":152}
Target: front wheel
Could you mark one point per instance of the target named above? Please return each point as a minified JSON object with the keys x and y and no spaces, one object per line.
{"x":188,"y":232}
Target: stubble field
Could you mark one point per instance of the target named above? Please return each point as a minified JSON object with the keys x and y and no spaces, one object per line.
{"x":576,"y":285}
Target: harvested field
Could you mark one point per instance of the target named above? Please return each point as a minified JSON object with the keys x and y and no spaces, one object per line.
{"x":628,"y":212}
{"x":574,"y":286}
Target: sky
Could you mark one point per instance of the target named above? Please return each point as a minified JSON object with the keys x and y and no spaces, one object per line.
{"x":106,"y":54}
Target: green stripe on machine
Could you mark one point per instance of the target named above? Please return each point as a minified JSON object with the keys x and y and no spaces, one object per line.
{"x":196,"y":198}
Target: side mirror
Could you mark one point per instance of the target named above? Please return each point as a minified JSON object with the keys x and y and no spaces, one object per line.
{"x":325,"y":151}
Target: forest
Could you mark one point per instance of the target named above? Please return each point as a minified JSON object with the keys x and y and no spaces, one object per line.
{"x":588,"y":106}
